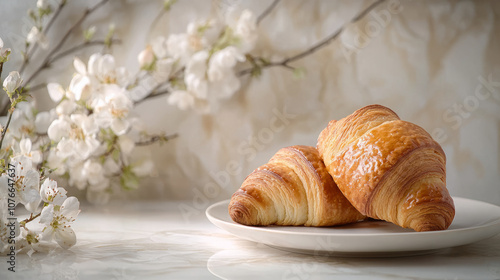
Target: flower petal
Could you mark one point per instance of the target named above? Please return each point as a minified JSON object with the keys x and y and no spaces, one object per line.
{"x":56,"y":91}
{"x":65,"y":237}
{"x":47,"y":215}
{"x":70,"y":207}
{"x":80,"y":66}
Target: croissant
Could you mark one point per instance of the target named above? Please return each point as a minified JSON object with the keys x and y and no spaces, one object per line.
{"x":293,"y":188}
{"x":388,"y":169}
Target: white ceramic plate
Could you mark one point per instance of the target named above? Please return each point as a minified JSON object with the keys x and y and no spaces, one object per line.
{"x":474,"y":221}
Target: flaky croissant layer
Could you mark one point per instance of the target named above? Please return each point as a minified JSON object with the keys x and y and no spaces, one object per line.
{"x":293,"y":188}
{"x":388,"y":169}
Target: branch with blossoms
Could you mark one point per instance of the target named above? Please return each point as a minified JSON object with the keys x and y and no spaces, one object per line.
{"x":89,"y":139}
{"x":210,"y":58}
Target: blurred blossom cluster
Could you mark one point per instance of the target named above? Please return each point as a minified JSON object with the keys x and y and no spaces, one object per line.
{"x":93,"y":131}
{"x":199,"y":66}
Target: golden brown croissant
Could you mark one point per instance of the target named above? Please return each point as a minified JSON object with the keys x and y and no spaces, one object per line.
{"x":293,"y":188}
{"x":388,"y":169}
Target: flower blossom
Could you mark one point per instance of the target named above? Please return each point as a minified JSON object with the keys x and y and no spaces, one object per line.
{"x":25,"y":147}
{"x":4,"y":53}
{"x":112,"y":109}
{"x":37,"y":37}
{"x":57,"y":220}
{"x":26,"y":182}
{"x":246,"y":31}
{"x":210,"y":61}
{"x":76,"y":135}
{"x":12,"y":82}
{"x":50,"y":193}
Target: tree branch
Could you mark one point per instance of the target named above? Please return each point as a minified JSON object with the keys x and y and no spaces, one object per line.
{"x":156,"y":138}
{"x":318,"y":45}
{"x":45,"y":31}
{"x":267,"y":11}
{"x":4,"y":129}
{"x":79,"y":47}
{"x":65,"y":37}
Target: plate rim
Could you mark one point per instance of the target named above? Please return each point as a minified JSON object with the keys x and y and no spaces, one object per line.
{"x":277,"y":230}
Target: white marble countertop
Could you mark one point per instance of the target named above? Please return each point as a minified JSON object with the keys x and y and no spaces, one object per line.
{"x":154,"y":240}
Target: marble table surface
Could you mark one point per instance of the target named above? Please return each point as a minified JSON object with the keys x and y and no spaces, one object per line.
{"x":161,"y":240}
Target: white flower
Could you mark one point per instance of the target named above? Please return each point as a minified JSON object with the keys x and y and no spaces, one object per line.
{"x":80,"y":86}
{"x":22,"y":123}
{"x":25,"y":150}
{"x":27,"y":182}
{"x":50,"y":193}
{"x":4,"y":53}
{"x":56,"y":162}
{"x":112,"y":109}
{"x":195,"y":80}
{"x":35,"y":36}
{"x":79,"y":66}
{"x":76,"y":176}
{"x":182,"y":99}
{"x":43,"y":120}
{"x":56,"y":91}
{"x":93,"y":171}
{"x":57,"y":221}
{"x":146,"y":57}
{"x":225,"y":87}
{"x":103,"y":68}
{"x":159,"y":47}
{"x":246,"y":30}
{"x":42,"y":4}
{"x":66,"y":107}
{"x":111,"y":166}
{"x":76,"y":135}
{"x":222,"y":62}
{"x":12,"y":82}
{"x":182,"y":46}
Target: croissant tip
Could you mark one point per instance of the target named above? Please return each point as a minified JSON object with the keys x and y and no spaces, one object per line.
{"x":433,"y":223}
{"x":239,"y":213}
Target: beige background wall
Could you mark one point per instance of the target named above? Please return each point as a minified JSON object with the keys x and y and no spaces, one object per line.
{"x":436,"y":63}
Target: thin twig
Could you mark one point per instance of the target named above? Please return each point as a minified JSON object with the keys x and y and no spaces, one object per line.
{"x":318,"y":45}
{"x":37,"y":87}
{"x":1,"y":69}
{"x":45,"y":31}
{"x":152,"y":94}
{"x":79,"y":47}
{"x":4,"y":131}
{"x":156,"y":138}
{"x":49,"y":58}
{"x":31,"y":218}
{"x":65,"y":37}
{"x":155,"y":20}
{"x":267,"y":11}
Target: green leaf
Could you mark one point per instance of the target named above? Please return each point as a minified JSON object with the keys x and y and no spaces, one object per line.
{"x":129,"y":180}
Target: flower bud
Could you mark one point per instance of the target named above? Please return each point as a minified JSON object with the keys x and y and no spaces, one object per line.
{"x":42,"y":4}
{"x":146,"y":58}
{"x":4,"y":53}
{"x":12,"y":82}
